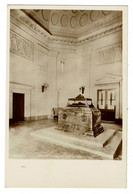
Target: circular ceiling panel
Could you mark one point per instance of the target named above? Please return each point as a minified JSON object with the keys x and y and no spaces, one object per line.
{"x":83,"y":19}
{"x":106,"y":12}
{"x":73,"y":21}
{"x":45,"y":14}
{"x":94,"y":15}
{"x":64,"y":20}
{"x":54,"y":18}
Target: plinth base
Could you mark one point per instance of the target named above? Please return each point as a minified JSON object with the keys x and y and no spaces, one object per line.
{"x":106,"y":144}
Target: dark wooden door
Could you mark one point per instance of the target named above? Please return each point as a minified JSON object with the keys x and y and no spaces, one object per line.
{"x":106,"y":104}
{"x":18,"y":107}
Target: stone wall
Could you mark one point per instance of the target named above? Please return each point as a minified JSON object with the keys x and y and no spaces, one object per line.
{"x":29,"y":67}
{"x":37,"y":58}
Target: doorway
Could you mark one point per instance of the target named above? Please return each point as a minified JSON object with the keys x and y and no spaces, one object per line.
{"x":106,"y":103}
{"x":18,"y":107}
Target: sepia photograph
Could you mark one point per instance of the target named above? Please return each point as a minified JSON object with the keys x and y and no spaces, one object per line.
{"x":66,"y":83}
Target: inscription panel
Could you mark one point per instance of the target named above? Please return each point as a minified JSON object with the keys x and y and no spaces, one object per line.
{"x":20,"y":46}
{"x":109,"y":54}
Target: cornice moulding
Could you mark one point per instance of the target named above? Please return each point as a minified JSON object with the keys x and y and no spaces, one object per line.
{"x":23,"y":22}
{"x":100,"y":34}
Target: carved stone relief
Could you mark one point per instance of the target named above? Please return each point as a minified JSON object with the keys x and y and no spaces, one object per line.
{"x":109,"y":54}
{"x":108,"y":79}
{"x":21,"y":46}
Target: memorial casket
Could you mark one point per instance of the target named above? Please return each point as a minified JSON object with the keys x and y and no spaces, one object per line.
{"x":80,"y":116}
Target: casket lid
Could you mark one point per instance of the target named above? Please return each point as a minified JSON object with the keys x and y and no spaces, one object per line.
{"x":80,"y":98}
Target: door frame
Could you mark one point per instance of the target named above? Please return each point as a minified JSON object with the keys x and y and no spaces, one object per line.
{"x":117,"y":88}
{"x":110,"y":81}
{"x":14,"y":106}
{"x":105,"y":109}
{"x":22,"y":89}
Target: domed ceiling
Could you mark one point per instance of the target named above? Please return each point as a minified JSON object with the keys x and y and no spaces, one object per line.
{"x":73,"y":23}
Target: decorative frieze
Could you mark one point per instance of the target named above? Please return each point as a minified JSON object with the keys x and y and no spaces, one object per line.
{"x":20,"y":46}
{"x":109,"y":54}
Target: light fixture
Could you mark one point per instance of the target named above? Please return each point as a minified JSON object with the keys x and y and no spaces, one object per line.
{"x":45,"y":86}
{"x":62,"y":65}
{"x":82,"y":89}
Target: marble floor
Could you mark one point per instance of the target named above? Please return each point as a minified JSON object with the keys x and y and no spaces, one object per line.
{"x":23,"y":146}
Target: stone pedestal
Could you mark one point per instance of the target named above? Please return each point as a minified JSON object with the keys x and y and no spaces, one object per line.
{"x":81,"y":120}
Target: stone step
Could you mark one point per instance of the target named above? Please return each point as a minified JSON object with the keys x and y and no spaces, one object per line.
{"x":102,"y":139}
{"x":99,"y":141}
{"x":113,"y":145}
{"x":108,"y":138}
